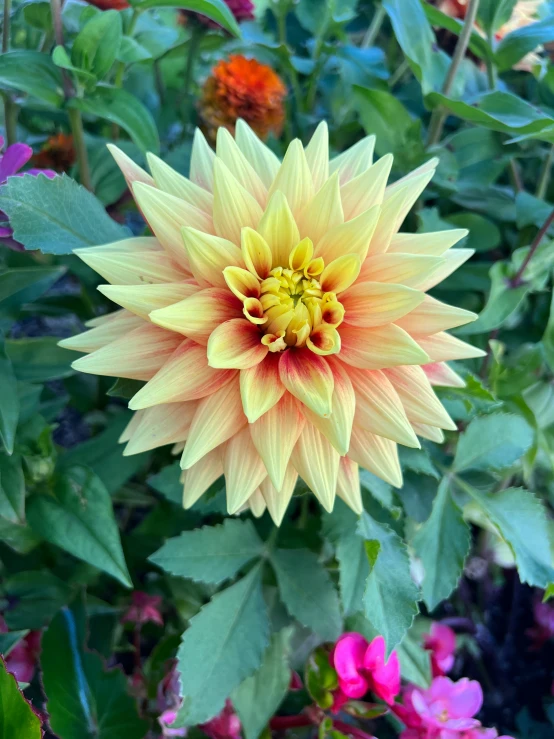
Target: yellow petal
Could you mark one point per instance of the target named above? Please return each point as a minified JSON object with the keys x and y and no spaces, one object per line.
{"x":324,"y":340}
{"x":452,"y":260}
{"x":256,"y":253}
{"x":217,"y":419}
{"x":275,"y":434}
{"x":379,"y":408}
{"x":256,"y":503}
{"x":236,"y":344}
{"x":242,"y":283}
{"x":243,"y":467}
{"x":234,"y":207}
{"x":160,"y":425}
{"x":382,"y":346}
{"x":170,"y":181}
{"x":198,"y":478}
{"x":294,"y":178}
{"x":143,"y":299}
{"x":202,"y":162}
{"x":277,"y":501}
{"x":239,"y":166}
{"x":89,"y":341}
{"x":137,"y":355}
{"x":403,"y":269}
{"x":261,"y":387}
{"x":433,"y":244}
{"x":317,"y":155}
{"x":354,"y":161}
{"x":432,"y":316}
{"x":302,"y":254}
{"x":429,"y":432}
{"x":317,"y":463}
{"x":279,"y":229}
{"x":376,"y":454}
{"x":442,"y":347}
{"x":367,"y":189}
{"x":309,"y":378}
{"x":131,"y":171}
{"x":352,"y":237}
{"x":348,"y":484}
{"x":209,"y":255}
{"x":184,"y":376}
{"x":340,"y":273}
{"x":417,"y":396}
{"x":200,"y":314}
{"x":439,"y":373}
{"x":369,"y":304}
{"x":260,"y":156}
{"x":323,"y":212}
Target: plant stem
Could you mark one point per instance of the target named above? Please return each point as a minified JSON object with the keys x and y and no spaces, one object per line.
{"x":491,"y":68}
{"x":10,"y":108}
{"x":518,"y":184}
{"x":312,"y":86}
{"x":374,"y":27}
{"x":189,"y":69}
{"x":58,"y":36}
{"x":517,"y":279}
{"x":80,"y":146}
{"x":544,"y":180}
{"x":439,"y":116}
{"x":6,"y":26}
{"x":280,"y":723}
{"x":399,"y":72}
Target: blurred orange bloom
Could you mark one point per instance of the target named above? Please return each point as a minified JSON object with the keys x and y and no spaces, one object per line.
{"x":57,"y":153}
{"x":243,"y":88}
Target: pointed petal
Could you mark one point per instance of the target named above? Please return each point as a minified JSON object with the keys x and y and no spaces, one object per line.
{"x":200,"y":314}
{"x":439,"y":373}
{"x":354,"y":161}
{"x":377,"y":455}
{"x":159,"y":425}
{"x":234,"y":207}
{"x":379,"y":409}
{"x":198,"y":478}
{"x":89,"y":341}
{"x":452,"y":260}
{"x":275,"y":434}
{"x":202,"y":162}
{"x":256,"y":503}
{"x":432,"y":316}
{"x":131,"y":171}
{"x":256,"y":253}
{"x":340,"y":273}
{"x":376,"y":348}
{"x":433,"y":244}
{"x":367,"y":189}
{"x":369,"y":304}
{"x":278,"y":500}
{"x":294,"y":178}
{"x":170,"y":181}
{"x":309,"y":378}
{"x":260,"y":156}
{"x":239,"y":166}
{"x":209,"y":255}
{"x":417,"y":396}
{"x":184,"y":376}
{"x":137,"y":355}
{"x":324,"y":340}
{"x":143,"y":299}
{"x":236,"y":344}
{"x":429,"y":432}
{"x":352,"y":237}
{"x":243,"y":467}
{"x":348,"y":484}
{"x":279,"y":229}
{"x":403,"y":269}
{"x":443,"y":347}
{"x":317,"y":155}
{"x":261,"y":387}
{"x":317,"y":463}
{"x":130,"y":427}
{"x":323,"y":212}
{"x":218,"y":417}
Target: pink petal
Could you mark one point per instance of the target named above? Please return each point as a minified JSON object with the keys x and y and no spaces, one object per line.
{"x":466,"y":698}
{"x":14,"y":158}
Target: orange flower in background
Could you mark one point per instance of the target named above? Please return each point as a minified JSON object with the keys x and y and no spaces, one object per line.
{"x":57,"y":153}
{"x":243,"y":88}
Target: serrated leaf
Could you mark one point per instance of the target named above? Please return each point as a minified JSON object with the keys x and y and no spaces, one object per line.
{"x":415,"y":663}
{"x":257,"y":699}
{"x":353,"y":572}
{"x":79,"y":518}
{"x":521,"y":521}
{"x":442,"y":544}
{"x":307,"y":591}
{"x":390,"y":598}
{"x":17,"y":718}
{"x":223,"y":645}
{"x":56,"y":215}
{"x":492,"y":443}
{"x":211,"y":554}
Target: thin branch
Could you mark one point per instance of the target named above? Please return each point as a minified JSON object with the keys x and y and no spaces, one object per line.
{"x":517,"y":279}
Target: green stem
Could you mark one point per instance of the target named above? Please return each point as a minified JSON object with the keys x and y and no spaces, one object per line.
{"x":318,"y":64}
{"x":517,"y":279}
{"x":120,"y":71}
{"x":6,"y":26}
{"x":374,"y":28}
{"x":398,"y":73}
{"x":544,"y":180}
{"x":58,"y":36}
{"x":10,"y":108}
{"x":78,"y":133}
{"x":188,"y":77}
{"x":491,"y":67}
{"x":439,"y":116}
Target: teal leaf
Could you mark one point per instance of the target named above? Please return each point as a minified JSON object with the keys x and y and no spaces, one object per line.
{"x":216,"y":10}
{"x":515,"y":45}
{"x":353,"y":572}
{"x":31,"y":72}
{"x":258,"y":698}
{"x":12,"y":489}
{"x":35,"y":597}
{"x":56,"y":215}
{"x":38,"y":359}
{"x":19,"y":279}
{"x":415,"y":663}
{"x":79,"y":518}
{"x":307,"y":591}
{"x":17,"y":718}
{"x":211,"y":554}
{"x":9,"y":400}
{"x":390,"y":598}
{"x":494,"y":13}
{"x":492,"y":442}
{"x":442,"y":544}
{"x":223,"y":645}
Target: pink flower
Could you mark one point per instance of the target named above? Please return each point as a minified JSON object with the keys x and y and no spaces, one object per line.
{"x":165,"y":721}
{"x":543,"y":630}
{"x":225,"y":725}
{"x":442,"y":644}
{"x":143,"y":609}
{"x":22,"y":659}
{"x":361,"y":667}
{"x":449,"y":705}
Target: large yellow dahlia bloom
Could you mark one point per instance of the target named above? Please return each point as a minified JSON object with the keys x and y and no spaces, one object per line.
{"x":279,"y":319}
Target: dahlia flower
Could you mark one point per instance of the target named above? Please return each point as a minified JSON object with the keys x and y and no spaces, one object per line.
{"x":242,"y":88}
{"x":278,"y":318}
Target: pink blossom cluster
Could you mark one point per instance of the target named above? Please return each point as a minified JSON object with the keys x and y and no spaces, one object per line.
{"x":22,"y":659}
{"x":144,"y":608}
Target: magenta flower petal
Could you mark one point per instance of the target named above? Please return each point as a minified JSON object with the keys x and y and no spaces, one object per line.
{"x":466,"y":698}
{"x":348,"y":660}
{"x":15,"y":157}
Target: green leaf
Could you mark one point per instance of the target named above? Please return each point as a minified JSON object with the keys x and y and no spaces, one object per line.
{"x":223,"y":645}
{"x":492,"y":443}
{"x":307,"y":591}
{"x":10,"y":639}
{"x":12,"y":489}
{"x":415,"y":662}
{"x":442,"y":544}
{"x":257,"y":699}
{"x":38,"y":15}
{"x":477,"y":44}
{"x":514,"y":46}
{"x":34,"y":597}
{"x":17,"y":718}
{"x":31,"y":72}
{"x":216,"y":10}
{"x":39,"y":359}
{"x":353,"y":572}
{"x":9,"y":400}
{"x":79,"y":518}
{"x":121,"y":107}
{"x":494,"y":13}
{"x":85,"y":701}
{"x":167,"y":483}
{"x":96,"y":46}
{"x":13,"y":281}
{"x":61,"y":59}
{"x":483,"y":233}
{"x":130,"y":51}
{"x":211,"y":554}
{"x":56,"y":215}
{"x":547,"y":338}
{"x":521,"y":521}
{"x":390,"y":598}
